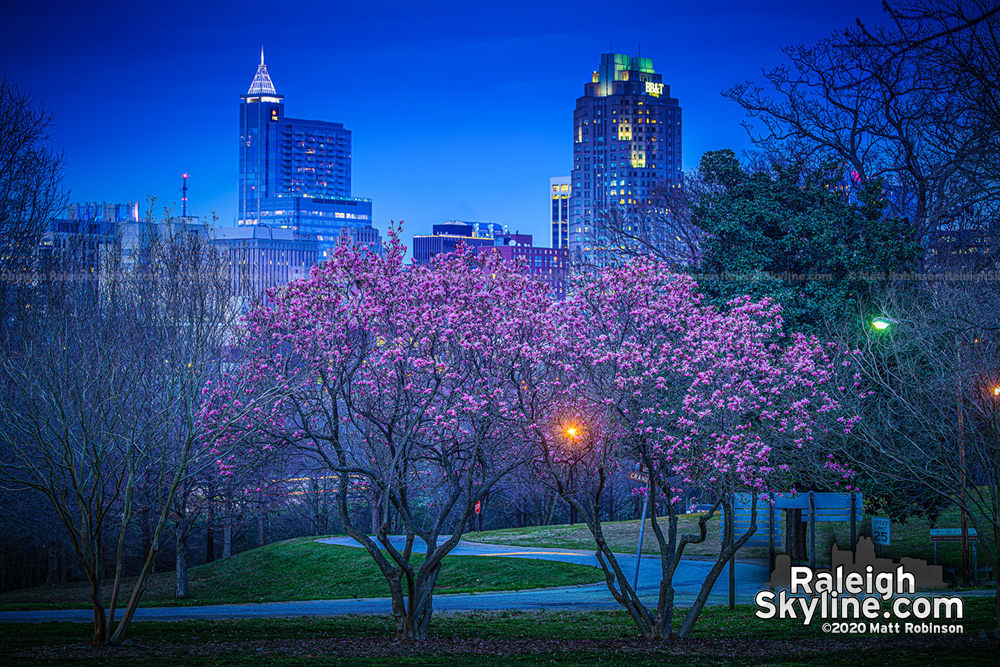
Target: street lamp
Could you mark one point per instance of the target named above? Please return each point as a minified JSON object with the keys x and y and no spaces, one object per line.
{"x":572,"y":431}
{"x":881,"y":323}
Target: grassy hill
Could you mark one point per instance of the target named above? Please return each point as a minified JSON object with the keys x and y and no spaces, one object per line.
{"x":303,"y":569}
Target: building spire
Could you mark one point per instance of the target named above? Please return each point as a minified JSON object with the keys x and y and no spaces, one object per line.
{"x":262,"y":81}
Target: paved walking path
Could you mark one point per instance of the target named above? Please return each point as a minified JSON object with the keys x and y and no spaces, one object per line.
{"x":687,"y":581}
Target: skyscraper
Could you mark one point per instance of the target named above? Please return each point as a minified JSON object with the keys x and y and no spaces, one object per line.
{"x":559,"y":193}
{"x":294,"y":173}
{"x":626,"y":139}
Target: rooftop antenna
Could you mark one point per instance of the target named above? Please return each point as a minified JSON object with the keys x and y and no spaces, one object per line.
{"x":184,"y":197}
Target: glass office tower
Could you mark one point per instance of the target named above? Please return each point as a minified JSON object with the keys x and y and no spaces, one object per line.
{"x":626,"y":140}
{"x":294,"y":173}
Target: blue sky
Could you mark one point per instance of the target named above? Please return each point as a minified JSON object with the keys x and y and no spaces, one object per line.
{"x":458,"y":110}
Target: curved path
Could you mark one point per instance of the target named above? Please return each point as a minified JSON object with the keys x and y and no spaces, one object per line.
{"x":750,"y":576}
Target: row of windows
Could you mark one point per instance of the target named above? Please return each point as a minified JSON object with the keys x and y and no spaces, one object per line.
{"x":340,"y":215}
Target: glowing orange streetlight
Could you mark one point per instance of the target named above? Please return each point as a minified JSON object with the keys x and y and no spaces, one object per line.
{"x":572,"y":431}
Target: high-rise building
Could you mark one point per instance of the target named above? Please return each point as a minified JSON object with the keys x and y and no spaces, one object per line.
{"x":294,"y":173}
{"x":559,"y":188}
{"x":446,"y":236}
{"x":626,"y":140}
{"x":73,"y":244}
{"x":261,"y":257}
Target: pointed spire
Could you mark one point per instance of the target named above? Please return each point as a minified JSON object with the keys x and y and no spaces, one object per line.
{"x":262,"y":81}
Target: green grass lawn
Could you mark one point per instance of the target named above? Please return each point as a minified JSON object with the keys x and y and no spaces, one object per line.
{"x":911,"y":539}
{"x":303,"y":569}
{"x":481,"y":639}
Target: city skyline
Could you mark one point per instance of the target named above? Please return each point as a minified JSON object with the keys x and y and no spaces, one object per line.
{"x":456,"y":112}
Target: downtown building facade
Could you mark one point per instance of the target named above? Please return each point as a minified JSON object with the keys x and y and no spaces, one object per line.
{"x":448,"y":235}
{"x":258,"y":257}
{"x":73,"y":243}
{"x":545,"y":265}
{"x":559,"y":190}
{"x":626,"y":141}
{"x":295,"y":173}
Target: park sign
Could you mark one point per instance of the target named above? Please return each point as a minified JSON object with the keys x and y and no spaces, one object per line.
{"x":953,"y":535}
{"x":638,"y":477}
{"x":880,"y":531}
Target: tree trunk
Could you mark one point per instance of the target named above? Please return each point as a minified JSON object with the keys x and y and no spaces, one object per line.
{"x":147,"y":532}
{"x":210,"y":536}
{"x":227,"y":539}
{"x":100,"y":637}
{"x":227,"y":532}
{"x":181,"y":572}
{"x":52,"y":571}
{"x":260,"y":526}
{"x":375,"y":518}
{"x":421,"y":605}
{"x":550,"y":513}
{"x":317,"y":507}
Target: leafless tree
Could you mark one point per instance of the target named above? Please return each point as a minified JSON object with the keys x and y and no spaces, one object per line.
{"x":661,"y":228}
{"x":102,"y":392}
{"x":933,"y":413}
{"x":911,"y":104}
{"x":30,"y":193}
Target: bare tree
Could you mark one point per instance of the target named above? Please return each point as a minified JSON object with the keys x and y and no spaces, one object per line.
{"x":911,"y":105}
{"x":661,"y":228}
{"x":102,"y":392}
{"x":30,"y":194}
{"x":934,"y":406}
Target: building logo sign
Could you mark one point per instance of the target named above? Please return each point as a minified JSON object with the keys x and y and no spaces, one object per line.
{"x":861,"y":594}
{"x":654,"y":89}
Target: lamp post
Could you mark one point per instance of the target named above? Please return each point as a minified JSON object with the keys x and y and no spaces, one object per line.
{"x":642,"y":527}
{"x":882,"y":323}
{"x":572,"y":433}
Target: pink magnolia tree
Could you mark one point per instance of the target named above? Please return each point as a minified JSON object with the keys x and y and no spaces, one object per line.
{"x":721,"y":399}
{"x":402,"y":381}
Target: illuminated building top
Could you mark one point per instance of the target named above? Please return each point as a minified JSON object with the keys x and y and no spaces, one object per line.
{"x":262,"y":80}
